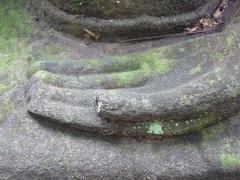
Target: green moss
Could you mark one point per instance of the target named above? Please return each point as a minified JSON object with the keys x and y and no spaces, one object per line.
{"x":3,"y":62}
{"x":34,"y":67}
{"x":13,"y":19}
{"x":53,"y":51}
{"x":211,"y":82}
{"x":230,"y":41}
{"x":3,"y":88}
{"x":128,"y":62}
{"x":185,"y":100}
{"x":145,"y":63}
{"x":125,"y":70}
{"x":229,"y":161}
{"x":119,"y":80}
{"x":152,"y":60}
{"x":218,"y":56}
{"x":15,"y":32}
{"x":171,"y":127}
{"x":5,"y":108}
{"x":195,"y":70}
{"x":136,"y":66}
{"x":48,"y":78}
{"x":126,"y":78}
{"x":93,"y":63}
{"x":155,"y":128}
{"x":175,"y":127}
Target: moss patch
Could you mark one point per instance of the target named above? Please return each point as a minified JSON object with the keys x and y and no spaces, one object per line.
{"x":195,"y":70}
{"x":5,"y":108}
{"x":156,"y":129}
{"x":137,"y":66}
{"x":125,"y":70}
{"x":174,"y":127}
{"x":49,"y":78}
{"x":153,"y":60}
{"x":15,"y":32}
{"x":127,"y":78}
{"x":3,"y":88}
{"x":141,"y":64}
{"x":229,"y":161}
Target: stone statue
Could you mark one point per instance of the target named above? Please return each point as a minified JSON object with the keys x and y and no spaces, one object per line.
{"x":119,"y":89}
{"x":121,"y":95}
{"x":123,"y":20}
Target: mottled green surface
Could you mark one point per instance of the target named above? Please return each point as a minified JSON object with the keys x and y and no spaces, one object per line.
{"x":229,"y":161}
{"x":6,"y":107}
{"x":15,"y":33}
{"x":31,"y":148}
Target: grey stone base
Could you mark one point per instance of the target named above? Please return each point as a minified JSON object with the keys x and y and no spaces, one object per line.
{"x":35,"y":148}
{"x":31,"y":149}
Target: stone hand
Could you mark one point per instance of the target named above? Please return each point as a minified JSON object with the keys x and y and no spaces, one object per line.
{"x":211,"y":97}
{"x":123,"y":95}
{"x":65,"y":92}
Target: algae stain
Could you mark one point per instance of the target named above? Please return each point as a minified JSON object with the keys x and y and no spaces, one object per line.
{"x":3,"y":61}
{"x":93,"y":62}
{"x":48,"y":78}
{"x":54,"y":51}
{"x":219,"y":56}
{"x":155,"y":60}
{"x":185,"y":100}
{"x":195,"y":70}
{"x":34,"y":67}
{"x":229,"y":161}
{"x":155,"y":128}
{"x":3,"y":88}
{"x":135,"y":67}
{"x":15,"y":31}
{"x":211,"y":82}
{"x":5,"y":108}
{"x":230,"y":41}
{"x":128,"y":78}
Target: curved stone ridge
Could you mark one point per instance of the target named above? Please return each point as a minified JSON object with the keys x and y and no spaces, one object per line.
{"x":121,"y":29}
{"x":56,"y":151}
{"x":127,"y":8}
{"x":195,"y":105}
{"x":121,"y":95}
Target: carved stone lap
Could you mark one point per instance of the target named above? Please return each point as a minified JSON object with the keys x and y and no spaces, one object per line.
{"x":191,"y":107}
{"x":107,"y":97}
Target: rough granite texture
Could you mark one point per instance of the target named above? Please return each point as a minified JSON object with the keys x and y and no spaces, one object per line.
{"x":36,"y":148}
{"x":128,"y":8}
{"x":117,"y":29}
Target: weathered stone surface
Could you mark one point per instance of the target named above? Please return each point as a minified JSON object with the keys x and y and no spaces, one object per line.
{"x":112,"y":28}
{"x":39,"y":149}
{"x":129,"y":8}
{"x":129,"y":92}
{"x":42,"y":147}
